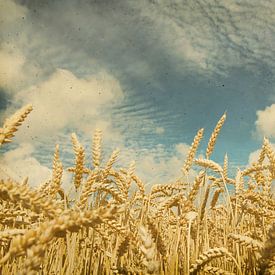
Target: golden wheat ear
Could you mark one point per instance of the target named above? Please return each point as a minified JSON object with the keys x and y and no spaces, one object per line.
{"x":11,"y":124}
{"x":214,"y":136}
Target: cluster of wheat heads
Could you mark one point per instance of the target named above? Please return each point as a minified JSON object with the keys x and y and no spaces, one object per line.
{"x":214,"y":224}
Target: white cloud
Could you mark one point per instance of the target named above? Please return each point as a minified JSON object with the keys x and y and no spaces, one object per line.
{"x":65,"y":100}
{"x":11,"y":67}
{"x":19,"y":164}
{"x":157,"y":165}
{"x":12,"y":60}
{"x":265,"y":123}
{"x":10,"y":11}
{"x":183,"y":149}
{"x":16,"y":71}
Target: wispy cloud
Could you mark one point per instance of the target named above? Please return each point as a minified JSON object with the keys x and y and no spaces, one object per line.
{"x":218,"y":35}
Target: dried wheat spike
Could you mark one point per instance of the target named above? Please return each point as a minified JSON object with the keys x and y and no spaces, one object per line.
{"x":140,"y":184}
{"x":255,"y":168}
{"x":119,"y":179}
{"x":207,"y":256}
{"x":56,"y":174}
{"x":33,"y":260}
{"x":149,"y":251}
{"x":213,"y":138}
{"x":96,"y":151}
{"x":259,"y":178}
{"x":11,"y":124}
{"x":225,"y":167}
{"x":108,"y":189}
{"x":216,"y":271}
{"x":79,"y":161}
{"x":215,"y":197}
{"x":246,"y":241}
{"x":269,"y":150}
{"x":70,"y":220}
{"x":166,"y":188}
{"x":256,"y":211}
{"x":86,"y":191}
{"x":188,"y":203}
{"x":194,"y":147}
{"x":28,"y":198}
{"x":8,"y":234}
{"x":157,"y":236}
{"x":111,"y":162}
{"x":204,"y":202}
{"x":206,"y":163}
{"x":271,"y":156}
{"x":170,"y":202}
{"x":267,"y":186}
{"x":127,"y":173}
{"x":239,"y":182}
{"x":195,"y":188}
{"x":262,"y":153}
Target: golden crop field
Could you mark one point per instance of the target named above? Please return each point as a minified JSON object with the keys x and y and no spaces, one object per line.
{"x":214,"y":224}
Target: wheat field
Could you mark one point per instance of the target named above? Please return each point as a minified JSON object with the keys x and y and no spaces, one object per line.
{"x":214,"y":224}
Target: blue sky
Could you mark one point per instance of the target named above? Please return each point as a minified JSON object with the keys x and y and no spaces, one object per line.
{"x":148,"y":73}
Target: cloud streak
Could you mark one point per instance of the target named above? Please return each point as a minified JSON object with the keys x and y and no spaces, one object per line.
{"x":220,"y":35}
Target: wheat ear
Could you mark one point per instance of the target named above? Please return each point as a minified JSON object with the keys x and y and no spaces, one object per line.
{"x":214,"y":136}
{"x":206,"y":163}
{"x":11,"y":124}
{"x":216,"y":271}
{"x":96,"y":148}
{"x":246,"y":241}
{"x":79,"y":161}
{"x":56,"y":174}
{"x":28,"y":198}
{"x":208,"y":256}
{"x":194,"y":147}
{"x":149,"y":250}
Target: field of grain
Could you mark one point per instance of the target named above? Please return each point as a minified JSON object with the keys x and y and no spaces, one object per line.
{"x":214,"y":224}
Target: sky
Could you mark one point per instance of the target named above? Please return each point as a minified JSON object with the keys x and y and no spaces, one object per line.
{"x":149,"y":74}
